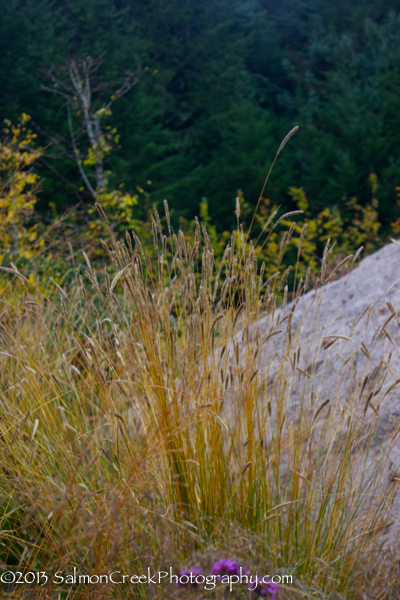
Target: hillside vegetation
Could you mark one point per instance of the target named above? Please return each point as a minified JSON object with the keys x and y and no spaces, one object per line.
{"x":137,"y":434}
{"x":215,"y":84}
{"x":161,"y":405}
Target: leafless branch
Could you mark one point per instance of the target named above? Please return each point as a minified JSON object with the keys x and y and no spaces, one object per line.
{"x":78,"y":162}
{"x":54,"y":140}
{"x":53,"y":91}
{"x":130,"y":82}
{"x":61,"y":176}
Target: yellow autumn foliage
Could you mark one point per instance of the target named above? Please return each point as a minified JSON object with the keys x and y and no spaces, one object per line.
{"x":18,"y":187}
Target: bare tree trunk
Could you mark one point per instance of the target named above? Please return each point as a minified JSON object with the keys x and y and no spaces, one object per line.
{"x":84,"y":93}
{"x":79,"y":96}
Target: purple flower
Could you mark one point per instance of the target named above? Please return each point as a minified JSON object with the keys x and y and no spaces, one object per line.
{"x":228,"y":567}
{"x":187,"y":578}
{"x":263,"y":589}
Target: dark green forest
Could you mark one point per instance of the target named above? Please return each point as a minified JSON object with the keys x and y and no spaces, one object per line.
{"x":219,"y":84}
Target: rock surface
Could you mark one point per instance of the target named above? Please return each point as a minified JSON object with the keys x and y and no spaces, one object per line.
{"x":357,"y":307}
{"x":348,"y":332}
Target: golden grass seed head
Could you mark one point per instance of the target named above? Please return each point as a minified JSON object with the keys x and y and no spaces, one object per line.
{"x":95,"y":284}
{"x":105,"y":247}
{"x":303,"y":232}
{"x":357,"y":254}
{"x":155,"y":238}
{"x":85,"y":256}
{"x":138,"y":270}
{"x":233,"y":237}
{"x":283,"y":243}
{"x":182,"y":244}
{"x":101,"y":213}
{"x":148,"y":259}
{"x":234,"y":268}
{"x":242,"y":242}
{"x":206,"y":238}
{"x":138,"y":245}
{"x":107,"y":278}
{"x":287,"y":215}
{"x":270,"y":219}
{"x":129,"y":242}
{"x":63,"y":308}
{"x":157,"y":218}
{"x":166,"y":209}
{"x":290,"y":233}
{"x":160,"y":266}
{"x":307,"y":279}
{"x":287,"y":138}
{"x":82,"y":286}
{"x":225,"y":287}
{"x":285,"y":296}
{"x":124,"y":253}
{"x":197,"y":234}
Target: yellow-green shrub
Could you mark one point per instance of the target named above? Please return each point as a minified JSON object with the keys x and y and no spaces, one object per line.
{"x":18,"y":188}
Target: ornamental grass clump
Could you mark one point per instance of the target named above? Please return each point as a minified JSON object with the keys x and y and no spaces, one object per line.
{"x":140,"y":426}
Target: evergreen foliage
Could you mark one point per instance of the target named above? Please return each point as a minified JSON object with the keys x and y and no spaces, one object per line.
{"x":222,"y":82}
